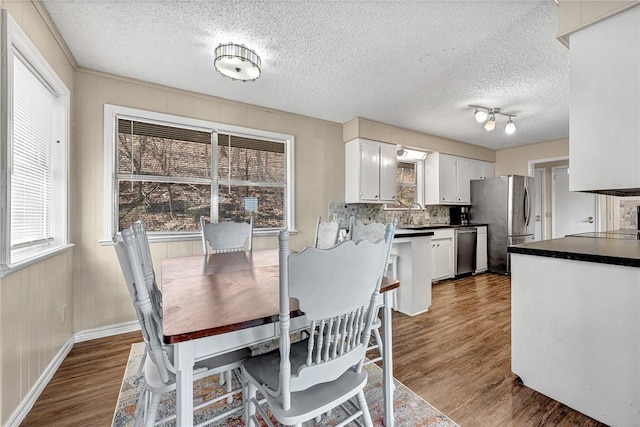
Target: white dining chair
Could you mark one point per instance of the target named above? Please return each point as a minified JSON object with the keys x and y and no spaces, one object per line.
{"x":336,"y":289}
{"x":226,"y":236}
{"x":327,"y":233}
{"x":158,"y":370}
{"x":373,"y":232}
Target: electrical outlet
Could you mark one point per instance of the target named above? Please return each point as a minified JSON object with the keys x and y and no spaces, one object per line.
{"x":64,"y":313}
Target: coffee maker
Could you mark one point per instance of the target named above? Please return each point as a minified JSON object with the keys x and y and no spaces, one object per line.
{"x":464,"y":215}
{"x":459,"y":215}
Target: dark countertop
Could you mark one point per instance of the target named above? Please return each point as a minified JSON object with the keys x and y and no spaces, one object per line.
{"x":412,"y":233}
{"x":623,"y":252}
{"x":434,"y":226}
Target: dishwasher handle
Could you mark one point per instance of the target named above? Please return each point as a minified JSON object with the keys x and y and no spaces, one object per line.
{"x":467,"y":230}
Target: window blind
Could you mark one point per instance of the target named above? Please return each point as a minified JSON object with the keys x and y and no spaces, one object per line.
{"x":33,"y":109}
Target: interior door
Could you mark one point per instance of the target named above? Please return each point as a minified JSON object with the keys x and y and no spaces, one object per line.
{"x":572,"y":212}
{"x":538,"y":204}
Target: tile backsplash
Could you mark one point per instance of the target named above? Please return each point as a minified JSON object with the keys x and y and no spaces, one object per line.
{"x":373,"y":212}
{"x":628,"y":213}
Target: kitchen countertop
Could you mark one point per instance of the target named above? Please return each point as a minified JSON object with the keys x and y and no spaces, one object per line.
{"x":433,"y":226}
{"x":623,"y":252}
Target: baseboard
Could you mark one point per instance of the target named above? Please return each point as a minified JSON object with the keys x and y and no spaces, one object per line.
{"x":30,"y":399}
{"x":107,"y":331}
{"x":27,"y":403}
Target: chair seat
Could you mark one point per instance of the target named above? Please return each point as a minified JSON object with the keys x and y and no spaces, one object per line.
{"x":202,"y":368}
{"x":265,"y":368}
{"x":319,"y":399}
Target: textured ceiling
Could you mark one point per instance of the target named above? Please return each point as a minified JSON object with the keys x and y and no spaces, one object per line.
{"x":412,"y":64}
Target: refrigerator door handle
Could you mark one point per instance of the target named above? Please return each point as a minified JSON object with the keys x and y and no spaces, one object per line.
{"x":527,"y":207}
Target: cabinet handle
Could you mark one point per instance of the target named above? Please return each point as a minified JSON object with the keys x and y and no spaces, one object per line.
{"x":376,"y":196}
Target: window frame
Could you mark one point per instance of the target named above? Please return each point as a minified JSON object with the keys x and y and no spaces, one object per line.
{"x":16,"y":43}
{"x":114,"y":112}
{"x":419,"y":165}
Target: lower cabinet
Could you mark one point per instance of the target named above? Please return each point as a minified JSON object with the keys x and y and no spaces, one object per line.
{"x":481,"y":249}
{"x":442,"y":256}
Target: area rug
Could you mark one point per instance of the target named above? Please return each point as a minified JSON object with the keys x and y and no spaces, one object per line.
{"x":410,"y":409}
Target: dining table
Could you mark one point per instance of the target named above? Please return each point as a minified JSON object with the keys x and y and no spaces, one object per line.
{"x":216,"y":303}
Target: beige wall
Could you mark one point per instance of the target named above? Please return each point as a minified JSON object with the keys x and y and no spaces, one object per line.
{"x":101,"y":297}
{"x":513,"y":161}
{"x":369,"y":129}
{"x":32,"y":330}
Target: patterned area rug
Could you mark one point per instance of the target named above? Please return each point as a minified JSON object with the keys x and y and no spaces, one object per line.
{"x":410,"y":409}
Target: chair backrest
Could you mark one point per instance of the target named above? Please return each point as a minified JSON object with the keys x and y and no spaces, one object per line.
{"x":336,"y":289}
{"x":133,"y":266}
{"x":139,"y":229}
{"x":371,"y":232}
{"x":326,"y":234}
{"x":227,"y":236}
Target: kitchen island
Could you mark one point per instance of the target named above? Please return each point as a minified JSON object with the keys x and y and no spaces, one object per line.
{"x":412,"y":249}
{"x":575,"y":323}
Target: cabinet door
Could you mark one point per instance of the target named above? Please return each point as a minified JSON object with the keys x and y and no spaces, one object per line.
{"x":476,"y":169}
{"x":481,"y":250}
{"x":448,"y":179}
{"x":442,"y":263}
{"x":369,"y":171}
{"x":488,"y":170}
{"x":463,"y":184}
{"x":388,"y":172}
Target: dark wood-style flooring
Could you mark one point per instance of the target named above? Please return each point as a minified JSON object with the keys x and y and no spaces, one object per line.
{"x":456,"y":356}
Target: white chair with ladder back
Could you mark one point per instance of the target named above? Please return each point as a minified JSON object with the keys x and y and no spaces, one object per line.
{"x":373,"y":232}
{"x":226,"y":236}
{"x":336,"y":289}
{"x":159,"y":373}
{"x":327,"y":233}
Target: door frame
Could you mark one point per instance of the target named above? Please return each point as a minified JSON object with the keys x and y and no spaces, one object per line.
{"x":543,"y":202}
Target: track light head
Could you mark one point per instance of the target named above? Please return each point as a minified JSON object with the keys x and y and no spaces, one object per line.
{"x":510,"y":127}
{"x":481,"y":116}
{"x":491,"y":123}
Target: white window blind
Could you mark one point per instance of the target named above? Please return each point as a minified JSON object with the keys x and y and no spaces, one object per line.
{"x":33,"y":118}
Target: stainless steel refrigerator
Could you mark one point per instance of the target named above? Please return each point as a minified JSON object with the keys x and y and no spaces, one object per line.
{"x":505,"y":204}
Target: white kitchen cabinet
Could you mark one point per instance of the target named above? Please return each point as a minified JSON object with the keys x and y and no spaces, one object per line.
{"x":481,"y":249}
{"x":479,"y":169}
{"x":442,"y":255}
{"x":447,"y":180}
{"x":605,"y":106}
{"x":370,"y":171}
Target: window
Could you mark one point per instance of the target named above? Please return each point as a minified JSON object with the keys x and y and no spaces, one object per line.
{"x":407,"y":186}
{"x":34,"y":154}
{"x":167,"y":170}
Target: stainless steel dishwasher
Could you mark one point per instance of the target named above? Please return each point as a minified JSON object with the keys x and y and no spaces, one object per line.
{"x":466,"y":241}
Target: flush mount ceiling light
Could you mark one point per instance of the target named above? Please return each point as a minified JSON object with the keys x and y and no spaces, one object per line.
{"x":237,"y":62}
{"x":482,"y":113}
{"x":408,"y":154}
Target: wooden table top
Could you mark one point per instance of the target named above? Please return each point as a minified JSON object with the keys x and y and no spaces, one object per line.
{"x":219,"y":293}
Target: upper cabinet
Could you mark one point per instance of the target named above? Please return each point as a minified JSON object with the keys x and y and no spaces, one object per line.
{"x":370,"y":171}
{"x":481,"y":170}
{"x":574,"y":15}
{"x":604,"y":136}
{"x":446,"y":180}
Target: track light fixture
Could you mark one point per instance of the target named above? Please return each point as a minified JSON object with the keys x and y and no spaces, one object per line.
{"x":482,"y":113}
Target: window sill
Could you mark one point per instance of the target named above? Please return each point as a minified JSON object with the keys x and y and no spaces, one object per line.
{"x":8,"y":269}
{"x":182,"y":237}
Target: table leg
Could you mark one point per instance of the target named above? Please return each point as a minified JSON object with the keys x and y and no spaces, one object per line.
{"x":387,"y":361}
{"x":183,"y":359}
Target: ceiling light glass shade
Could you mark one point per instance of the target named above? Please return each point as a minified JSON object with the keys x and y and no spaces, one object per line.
{"x":510,"y":128}
{"x":491,"y":123}
{"x":481,"y":116}
{"x":237,"y":62}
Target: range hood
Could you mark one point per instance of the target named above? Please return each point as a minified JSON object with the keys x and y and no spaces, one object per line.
{"x":604,"y":125}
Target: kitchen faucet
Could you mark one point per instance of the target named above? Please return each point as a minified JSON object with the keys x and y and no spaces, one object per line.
{"x":409,"y":212}
{"x":416,"y":204}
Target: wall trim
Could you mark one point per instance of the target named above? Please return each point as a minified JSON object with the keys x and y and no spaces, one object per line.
{"x":107,"y":331}
{"x":32,"y":396}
